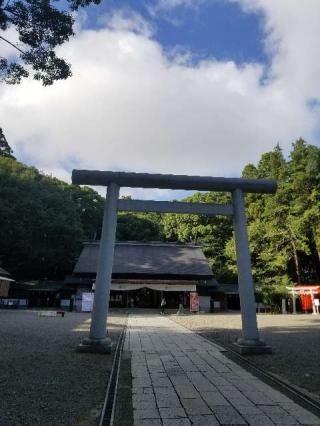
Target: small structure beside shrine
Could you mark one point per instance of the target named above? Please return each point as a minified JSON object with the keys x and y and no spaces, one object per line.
{"x":5,"y":281}
{"x":309,"y":295}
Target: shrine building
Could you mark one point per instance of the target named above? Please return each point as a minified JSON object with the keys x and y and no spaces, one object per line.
{"x":145,"y":272}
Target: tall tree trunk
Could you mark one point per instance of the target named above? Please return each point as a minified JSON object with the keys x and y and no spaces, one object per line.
{"x":317,"y":244}
{"x":318,"y":251}
{"x":295,"y":253}
{"x":315,"y":248}
{"x":296,"y":259}
{"x":317,"y":268}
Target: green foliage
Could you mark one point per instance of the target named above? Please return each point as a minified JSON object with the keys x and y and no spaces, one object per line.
{"x":5,"y":150}
{"x":210,"y":232}
{"x":43,"y":221}
{"x":284,"y":228}
{"x":139,"y":227}
{"x":42,"y":25}
{"x":89,"y":205}
{"x":267,"y":224}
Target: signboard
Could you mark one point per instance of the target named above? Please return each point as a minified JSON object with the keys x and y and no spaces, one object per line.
{"x":87,"y":302}
{"x":4,"y":288}
{"x":194,"y":302}
{"x":204,"y":303}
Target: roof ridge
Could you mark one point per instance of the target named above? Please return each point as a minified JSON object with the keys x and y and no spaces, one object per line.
{"x":147,"y":243}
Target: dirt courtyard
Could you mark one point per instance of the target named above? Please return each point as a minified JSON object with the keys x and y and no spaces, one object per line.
{"x":295,"y":340}
{"x":43,"y":380}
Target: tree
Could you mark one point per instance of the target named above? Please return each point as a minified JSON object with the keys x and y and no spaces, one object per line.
{"x":284,"y":228}
{"x":304,"y":166}
{"x":89,"y":205}
{"x":43,"y":221}
{"x":139,"y":227}
{"x":5,"y":150}
{"x":210,"y":232}
{"x":272,"y":243}
{"x":42,"y":25}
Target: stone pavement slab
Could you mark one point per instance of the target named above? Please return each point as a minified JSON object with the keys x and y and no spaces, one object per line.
{"x":179,"y":378}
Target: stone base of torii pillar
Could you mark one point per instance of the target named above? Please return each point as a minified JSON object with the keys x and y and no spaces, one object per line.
{"x":102,"y":346}
{"x":251,"y":347}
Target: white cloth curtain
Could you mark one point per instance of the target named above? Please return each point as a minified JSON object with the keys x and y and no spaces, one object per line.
{"x":157,"y":287}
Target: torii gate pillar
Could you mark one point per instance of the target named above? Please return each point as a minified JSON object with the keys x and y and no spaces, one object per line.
{"x":98,"y":340}
{"x":249,"y":342}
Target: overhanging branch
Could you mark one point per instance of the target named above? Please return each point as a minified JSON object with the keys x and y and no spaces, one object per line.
{"x":11,"y":44}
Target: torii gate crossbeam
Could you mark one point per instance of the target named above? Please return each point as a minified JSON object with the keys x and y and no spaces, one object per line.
{"x":98,"y":340}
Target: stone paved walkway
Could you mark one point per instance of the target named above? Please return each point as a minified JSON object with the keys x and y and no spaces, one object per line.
{"x":181,"y":379}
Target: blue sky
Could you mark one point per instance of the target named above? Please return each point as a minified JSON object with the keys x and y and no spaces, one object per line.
{"x":198,"y":87}
{"x":216,"y":28}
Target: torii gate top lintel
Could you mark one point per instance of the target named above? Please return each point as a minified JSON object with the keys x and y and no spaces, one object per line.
{"x":162,"y":181}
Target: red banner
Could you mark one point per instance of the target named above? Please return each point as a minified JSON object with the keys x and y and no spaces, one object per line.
{"x":194,"y":302}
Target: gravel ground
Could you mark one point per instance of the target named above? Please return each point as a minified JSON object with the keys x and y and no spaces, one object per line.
{"x":295,"y":340}
{"x":43,"y":381}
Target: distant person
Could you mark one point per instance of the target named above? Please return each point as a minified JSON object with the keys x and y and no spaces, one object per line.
{"x":137,"y":300}
{"x":163,"y":305}
{"x":58,"y":300}
{"x":132,"y":302}
{"x":180,"y":309}
{"x":71,"y":306}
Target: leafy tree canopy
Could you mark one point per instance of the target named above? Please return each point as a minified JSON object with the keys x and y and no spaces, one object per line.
{"x":284,"y":229}
{"x":43,"y":221}
{"x":5,"y":150}
{"x":42,"y":25}
{"x":139,"y":227}
{"x":210,"y":232}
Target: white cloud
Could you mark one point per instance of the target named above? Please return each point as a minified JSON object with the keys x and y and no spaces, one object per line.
{"x":128,"y":107}
{"x":127,"y":20}
{"x":166,"y":8}
{"x":172,"y":4}
{"x":292,"y":36}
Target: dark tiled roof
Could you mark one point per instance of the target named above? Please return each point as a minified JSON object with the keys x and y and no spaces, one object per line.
{"x":228,"y":288}
{"x":153,"y":260}
{"x":4,"y":273}
{"x":46,"y":285}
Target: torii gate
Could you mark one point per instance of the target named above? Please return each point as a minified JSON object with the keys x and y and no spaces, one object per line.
{"x":98,"y":340}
